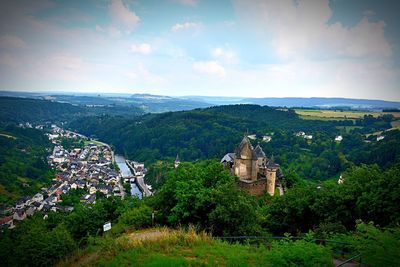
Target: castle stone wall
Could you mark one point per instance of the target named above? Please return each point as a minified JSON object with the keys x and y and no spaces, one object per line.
{"x":255,"y":188}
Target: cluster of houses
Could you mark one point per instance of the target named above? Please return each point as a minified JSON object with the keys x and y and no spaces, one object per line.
{"x":57,"y":132}
{"x":265,"y":138}
{"x":27,"y":207}
{"x":304,"y":135}
{"x":338,"y":138}
{"x":89,"y":168}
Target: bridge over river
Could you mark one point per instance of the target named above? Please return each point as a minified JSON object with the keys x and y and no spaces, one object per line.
{"x":139,"y":179}
{"x":127,"y":174}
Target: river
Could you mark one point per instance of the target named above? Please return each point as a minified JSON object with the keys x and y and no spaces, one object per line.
{"x":126,"y":172}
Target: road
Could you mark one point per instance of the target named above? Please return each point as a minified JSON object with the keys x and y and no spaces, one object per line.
{"x":142,"y":185}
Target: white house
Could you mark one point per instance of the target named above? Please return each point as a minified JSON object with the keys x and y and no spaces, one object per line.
{"x":19,"y":215}
{"x":267,"y":138}
{"x":338,"y":138}
{"x":309,"y":137}
{"x":92,"y":190}
{"x":380,"y":137}
{"x":37,"y":198}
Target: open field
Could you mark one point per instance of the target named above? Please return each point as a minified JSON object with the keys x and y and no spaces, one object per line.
{"x":8,"y":136}
{"x":347,"y":129}
{"x":97,"y":143}
{"x":338,"y":114}
{"x":396,"y":124}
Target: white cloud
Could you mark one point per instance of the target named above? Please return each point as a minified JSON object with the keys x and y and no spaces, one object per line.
{"x":187,"y":2}
{"x":226,"y":55}
{"x":141,"y":73}
{"x":61,"y":67}
{"x":8,"y":60}
{"x":99,"y":28}
{"x":209,"y":67}
{"x":66,"y":62}
{"x":122,"y":16}
{"x":300,"y":29}
{"x":142,"y":48}
{"x":314,"y":57}
{"x":11,"y":41}
{"x":367,"y":39}
{"x":185,"y":26}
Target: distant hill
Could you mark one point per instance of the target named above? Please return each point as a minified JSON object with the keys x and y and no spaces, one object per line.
{"x":325,"y":102}
{"x":143,"y":102}
{"x":161,"y":103}
{"x":194,"y":134}
{"x":17,"y":110}
{"x":313,"y":102}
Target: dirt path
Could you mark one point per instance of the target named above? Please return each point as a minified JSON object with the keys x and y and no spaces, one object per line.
{"x":336,"y":262}
{"x":88,"y":259}
{"x":85,"y":260}
{"x":147,"y":235}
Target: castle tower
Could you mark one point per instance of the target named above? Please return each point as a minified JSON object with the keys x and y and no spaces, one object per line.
{"x":244,"y":161}
{"x":259,"y":155}
{"x":256,"y":173}
{"x":272,"y":169}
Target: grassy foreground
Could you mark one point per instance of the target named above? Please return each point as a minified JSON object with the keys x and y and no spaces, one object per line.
{"x":165,"y":247}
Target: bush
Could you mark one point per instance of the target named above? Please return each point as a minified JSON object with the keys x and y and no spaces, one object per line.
{"x":298,"y":253}
{"x":136,"y":218}
{"x":378,"y":247}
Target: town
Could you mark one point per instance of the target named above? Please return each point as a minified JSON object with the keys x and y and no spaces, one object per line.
{"x":87,"y":167}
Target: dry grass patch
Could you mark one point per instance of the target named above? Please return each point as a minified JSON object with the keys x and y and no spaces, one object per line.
{"x":338,"y":114}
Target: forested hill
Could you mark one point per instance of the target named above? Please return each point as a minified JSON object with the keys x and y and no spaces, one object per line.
{"x":200,"y":133}
{"x":270,"y":117}
{"x":13,"y":109}
{"x":23,"y":165}
{"x":31,"y":110}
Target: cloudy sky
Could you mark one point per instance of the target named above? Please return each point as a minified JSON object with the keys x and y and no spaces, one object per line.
{"x":259,"y":48}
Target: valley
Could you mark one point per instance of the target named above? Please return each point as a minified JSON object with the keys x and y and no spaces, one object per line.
{"x":330,"y":169}
{"x":199,"y":133}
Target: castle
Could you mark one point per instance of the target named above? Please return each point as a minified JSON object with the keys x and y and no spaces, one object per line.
{"x":257,"y":174}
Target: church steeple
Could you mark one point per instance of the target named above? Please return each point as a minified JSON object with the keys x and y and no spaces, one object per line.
{"x":177,"y":161}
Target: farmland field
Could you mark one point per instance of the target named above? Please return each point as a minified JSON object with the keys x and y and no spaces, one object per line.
{"x":396,"y":124}
{"x":8,"y":136}
{"x":95,"y":142}
{"x":347,"y":129}
{"x":339,"y":114}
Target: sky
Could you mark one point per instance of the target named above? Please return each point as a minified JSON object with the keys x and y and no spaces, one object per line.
{"x":249,"y":48}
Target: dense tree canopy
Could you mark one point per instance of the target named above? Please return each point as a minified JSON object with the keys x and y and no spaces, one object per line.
{"x":205,"y":194}
{"x":202,"y":192}
{"x":23,"y":164}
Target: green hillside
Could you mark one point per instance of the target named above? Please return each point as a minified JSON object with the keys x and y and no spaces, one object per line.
{"x":204,"y":195}
{"x":167,"y":247}
{"x":196,"y":134}
{"x":19,"y":110}
{"x":213,"y":132}
{"x":23,"y":164}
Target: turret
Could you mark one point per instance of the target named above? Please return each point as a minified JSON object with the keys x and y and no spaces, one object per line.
{"x":272,"y":169}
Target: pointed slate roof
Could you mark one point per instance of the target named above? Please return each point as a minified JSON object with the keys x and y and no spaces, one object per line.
{"x":229,"y":157}
{"x":177,"y":158}
{"x":245,"y":142}
{"x":271,"y":163}
{"x":258,"y":152}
